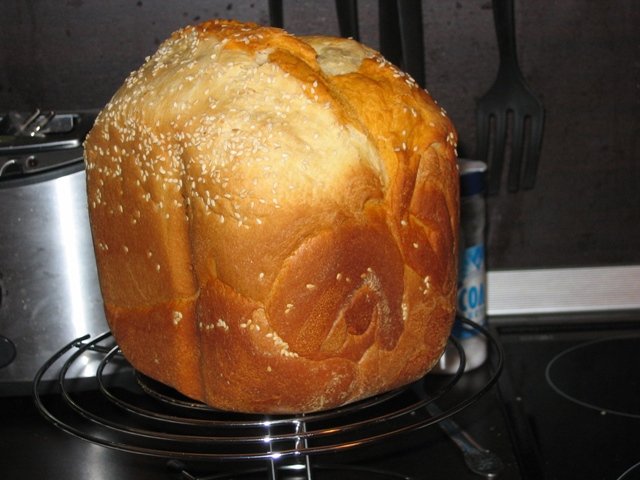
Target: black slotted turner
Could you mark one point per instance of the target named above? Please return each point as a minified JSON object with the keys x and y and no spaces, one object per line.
{"x":509,"y":110}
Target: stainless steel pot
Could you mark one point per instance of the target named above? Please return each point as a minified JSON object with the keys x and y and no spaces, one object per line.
{"x":49,"y":291}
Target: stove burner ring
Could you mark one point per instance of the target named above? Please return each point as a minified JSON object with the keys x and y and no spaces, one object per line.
{"x":595,"y":375}
{"x":631,"y":473}
{"x":129,"y":412}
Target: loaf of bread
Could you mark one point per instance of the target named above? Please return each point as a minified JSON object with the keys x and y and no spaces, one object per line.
{"x":274,"y":219}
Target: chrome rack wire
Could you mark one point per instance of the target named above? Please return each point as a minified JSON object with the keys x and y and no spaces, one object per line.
{"x":130,"y":412}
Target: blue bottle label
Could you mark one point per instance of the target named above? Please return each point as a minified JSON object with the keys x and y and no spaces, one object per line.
{"x":471,"y":290}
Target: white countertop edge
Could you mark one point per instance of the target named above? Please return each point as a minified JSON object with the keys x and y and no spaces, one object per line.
{"x":563,"y":290}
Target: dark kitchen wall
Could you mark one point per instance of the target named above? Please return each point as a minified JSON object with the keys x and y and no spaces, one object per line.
{"x":581,"y":56}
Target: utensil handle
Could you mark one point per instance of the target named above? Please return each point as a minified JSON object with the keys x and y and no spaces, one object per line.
{"x":348,"y":18}
{"x":462,"y":439}
{"x":411,"y":33}
{"x":276,"y":14}
{"x":389,"y":26}
{"x":503,"y":16}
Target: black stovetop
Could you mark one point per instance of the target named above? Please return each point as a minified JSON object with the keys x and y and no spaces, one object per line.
{"x":572,"y":394}
{"x":567,"y":406}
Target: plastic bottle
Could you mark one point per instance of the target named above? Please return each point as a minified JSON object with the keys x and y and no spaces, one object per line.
{"x":472,"y":271}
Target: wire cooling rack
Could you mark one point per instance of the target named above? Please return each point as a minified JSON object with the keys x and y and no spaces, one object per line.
{"x":124,"y":410}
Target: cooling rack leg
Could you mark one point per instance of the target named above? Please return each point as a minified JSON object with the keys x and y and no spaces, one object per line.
{"x":272,"y":470}
{"x":301,"y":445}
{"x":307,"y":461}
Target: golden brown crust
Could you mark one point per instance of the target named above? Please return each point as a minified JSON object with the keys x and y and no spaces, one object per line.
{"x":275,"y":219}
